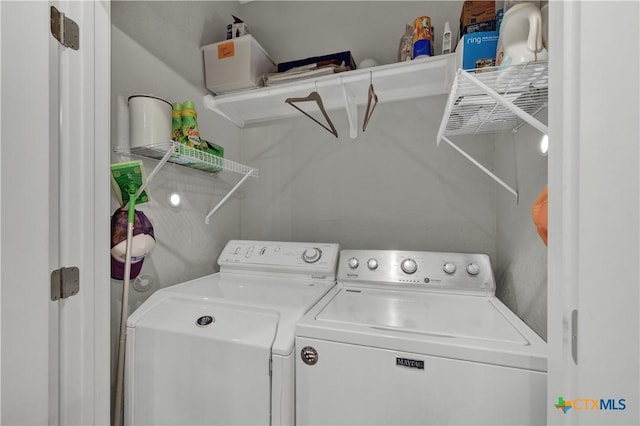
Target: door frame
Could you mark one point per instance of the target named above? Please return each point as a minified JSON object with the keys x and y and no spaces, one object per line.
{"x":73,"y":384}
{"x":594,"y":214}
{"x":85,"y":391}
{"x":84,"y":322}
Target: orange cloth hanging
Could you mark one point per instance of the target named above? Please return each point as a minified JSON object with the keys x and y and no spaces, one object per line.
{"x":540,"y":215}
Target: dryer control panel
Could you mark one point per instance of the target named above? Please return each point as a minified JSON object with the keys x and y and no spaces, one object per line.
{"x":318,"y":260}
{"x":459,"y":272}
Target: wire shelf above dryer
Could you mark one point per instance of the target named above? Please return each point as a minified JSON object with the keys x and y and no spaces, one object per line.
{"x":496,"y":100}
{"x":186,"y":156}
{"x":500,"y":99}
{"x":183,"y":155}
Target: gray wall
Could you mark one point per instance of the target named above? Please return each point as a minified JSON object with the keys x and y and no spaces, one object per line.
{"x":390,"y":188}
{"x":521,"y":259}
{"x":291,"y":30}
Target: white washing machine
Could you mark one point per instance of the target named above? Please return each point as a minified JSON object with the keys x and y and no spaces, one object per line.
{"x":219,"y":350}
{"x":417,"y":338}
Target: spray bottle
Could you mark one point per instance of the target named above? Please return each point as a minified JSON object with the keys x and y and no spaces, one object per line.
{"x":176,"y":122}
{"x":190,"y":126}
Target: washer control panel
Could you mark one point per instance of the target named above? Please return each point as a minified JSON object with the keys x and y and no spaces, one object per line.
{"x":465,"y":272}
{"x":316,"y":259}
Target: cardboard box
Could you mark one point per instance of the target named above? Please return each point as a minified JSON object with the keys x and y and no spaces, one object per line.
{"x":337,"y":57}
{"x":477,"y":50}
{"x":477,"y":11}
{"x":236,"y":64}
{"x":237,"y":29}
{"x":490,"y":25}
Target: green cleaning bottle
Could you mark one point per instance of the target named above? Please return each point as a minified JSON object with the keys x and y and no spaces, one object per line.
{"x":190,"y":125}
{"x":176,"y":122}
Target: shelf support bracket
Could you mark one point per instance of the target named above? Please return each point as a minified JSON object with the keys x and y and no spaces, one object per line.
{"x":352,"y":110}
{"x":226,"y":197}
{"x":481,"y":167}
{"x":507,"y":103}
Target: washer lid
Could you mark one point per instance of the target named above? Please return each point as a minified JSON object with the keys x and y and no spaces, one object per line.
{"x":434,"y":314}
{"x":207,"y":319}
{"x":286,"y":299}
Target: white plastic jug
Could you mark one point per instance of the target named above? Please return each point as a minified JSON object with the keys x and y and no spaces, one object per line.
{"x":520,"y":38}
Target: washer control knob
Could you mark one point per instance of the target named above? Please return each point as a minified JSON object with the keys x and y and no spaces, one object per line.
{"x":473,"y":269}
{"x":409,"y":266}
{"x":311,"y":255}
{"x":372,"y":264}
{"x":449,"y":268}
{"x":353,"y":263}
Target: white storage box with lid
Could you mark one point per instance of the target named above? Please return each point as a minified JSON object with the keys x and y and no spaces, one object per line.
{"x":236,"y":64}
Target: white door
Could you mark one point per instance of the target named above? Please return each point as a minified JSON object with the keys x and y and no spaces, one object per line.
{"x":594,"y":214}
{"x":54,"y":212}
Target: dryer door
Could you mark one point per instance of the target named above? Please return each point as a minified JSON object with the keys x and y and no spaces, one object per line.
{"x":198,"y":362}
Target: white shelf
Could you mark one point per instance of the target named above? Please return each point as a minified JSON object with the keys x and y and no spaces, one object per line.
{"x":340,"y":91}
{"x":177,"y":153}
{"x":494,"y":101}
{"x":188,"y":157}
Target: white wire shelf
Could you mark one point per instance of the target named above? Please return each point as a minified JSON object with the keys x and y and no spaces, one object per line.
{"x":472,"y":109}
{"x":493,"y":101}
{"x":177,"y":153}
{"x":188,"y":157}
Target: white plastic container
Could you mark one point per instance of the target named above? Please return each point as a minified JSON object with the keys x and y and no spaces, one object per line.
{"x":236,"y":64}
{"x":149,"y":120}
{"x":521,"y":36}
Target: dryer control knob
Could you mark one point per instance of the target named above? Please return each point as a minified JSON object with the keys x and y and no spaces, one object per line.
{"x":312,"y":255}
{"x":473,"y":269}
{"x":409,"y":266}
{"x":353,"y":263}
{"x":372,"y":264}
{"x":449,"y":268}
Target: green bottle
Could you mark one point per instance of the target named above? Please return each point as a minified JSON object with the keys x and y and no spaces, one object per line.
{"x":190,"y":125}
{"x":176,"y":122}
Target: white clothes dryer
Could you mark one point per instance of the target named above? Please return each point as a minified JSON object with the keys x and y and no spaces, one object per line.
{"x":417,"y":338}
{"x":219,"y":350}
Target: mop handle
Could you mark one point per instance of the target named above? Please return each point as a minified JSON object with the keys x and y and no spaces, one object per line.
{"x":124,"y":313}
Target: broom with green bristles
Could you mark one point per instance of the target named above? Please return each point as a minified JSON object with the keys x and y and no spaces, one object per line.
{"x":128,"y":183}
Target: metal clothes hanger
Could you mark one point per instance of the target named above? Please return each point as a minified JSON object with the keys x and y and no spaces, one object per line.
{"x":371,"y":96}
{"x":314,"y":96}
